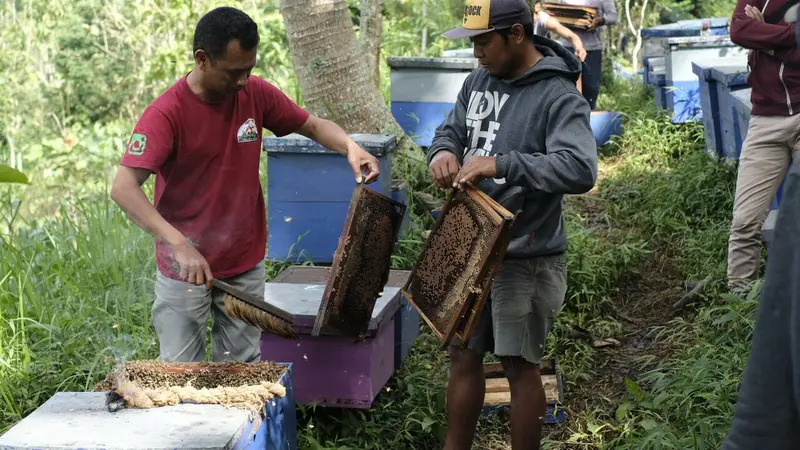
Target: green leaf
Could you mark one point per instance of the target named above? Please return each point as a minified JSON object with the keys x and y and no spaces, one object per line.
{"x":634,"y":390}
{"x":426,"y":424}
{"x":622,"y":411}
{"x":648,"y":424}
{"x":10,"y":175}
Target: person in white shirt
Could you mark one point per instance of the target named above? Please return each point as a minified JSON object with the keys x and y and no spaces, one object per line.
{"x":590,"y":37}
{"x":544,"y":23}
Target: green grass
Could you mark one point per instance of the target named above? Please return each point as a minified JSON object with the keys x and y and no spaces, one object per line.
{"x":76,"y":290}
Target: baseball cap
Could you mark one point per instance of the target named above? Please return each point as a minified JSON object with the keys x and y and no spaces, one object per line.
{"x":483,"y":16}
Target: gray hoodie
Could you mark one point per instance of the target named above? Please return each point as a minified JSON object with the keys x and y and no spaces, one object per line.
{"x":537,"y":126}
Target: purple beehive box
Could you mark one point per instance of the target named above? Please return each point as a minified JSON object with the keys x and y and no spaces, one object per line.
{"x":333,"y":370}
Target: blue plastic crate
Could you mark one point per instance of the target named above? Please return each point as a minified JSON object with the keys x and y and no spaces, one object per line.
{"x":309,"y":189}
{"x":729,"y":78}
{"x":605,"y":125}
{"x":710,"y":105}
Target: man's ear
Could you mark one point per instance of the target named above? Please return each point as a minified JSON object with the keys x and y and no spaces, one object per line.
{"x":201,"y":59}
{"x":518,"y":33}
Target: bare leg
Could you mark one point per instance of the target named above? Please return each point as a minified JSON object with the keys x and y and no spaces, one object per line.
{"x":527,"y":403}
{"x":465,"y":391}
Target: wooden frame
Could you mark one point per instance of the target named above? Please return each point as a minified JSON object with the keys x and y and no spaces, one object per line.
{"x":469,"y":307}
{"x":354,"y":318}
{"x":569,"y":15}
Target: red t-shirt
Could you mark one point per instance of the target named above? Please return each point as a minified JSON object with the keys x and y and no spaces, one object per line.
{"x":206,"y":159}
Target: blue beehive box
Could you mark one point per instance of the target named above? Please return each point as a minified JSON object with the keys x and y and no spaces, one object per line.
{"x":81,"y":420}
{"x":683,"y":93}
{"x":653,"y":67}
{"x":729,"y":79}
{"x":653,"y":38}
{"x":710,"y":105}
{"x":309,"y":189}
{"x":424,"y":91}
{"x":400,"y":194}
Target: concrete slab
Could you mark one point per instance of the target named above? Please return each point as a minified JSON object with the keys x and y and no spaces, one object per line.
{"x":80,"y":420}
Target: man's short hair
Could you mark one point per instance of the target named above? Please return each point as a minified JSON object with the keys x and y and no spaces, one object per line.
{"x":220,"y":26}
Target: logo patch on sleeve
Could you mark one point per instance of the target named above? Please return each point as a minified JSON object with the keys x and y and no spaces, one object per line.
{"x":136,"y":144}
{"x":248,"y":132}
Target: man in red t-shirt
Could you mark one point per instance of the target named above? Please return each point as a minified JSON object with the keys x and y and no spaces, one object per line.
{"x":202,"y":139}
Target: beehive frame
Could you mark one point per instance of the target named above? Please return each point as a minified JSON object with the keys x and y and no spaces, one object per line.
{"x":344,"y":309}
{"x":469,"y":302}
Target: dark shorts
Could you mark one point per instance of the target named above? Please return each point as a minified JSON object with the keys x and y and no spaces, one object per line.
{"x":527,"y":296}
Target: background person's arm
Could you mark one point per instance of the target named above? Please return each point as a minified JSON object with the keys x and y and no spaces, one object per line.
{"x":749,"y":30}
{"x":551,"y":24}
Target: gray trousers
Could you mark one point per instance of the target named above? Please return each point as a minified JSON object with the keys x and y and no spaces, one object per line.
{"x":181,"y":311}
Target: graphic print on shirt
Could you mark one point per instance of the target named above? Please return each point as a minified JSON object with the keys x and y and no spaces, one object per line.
{"x":136,"y":144}
{"x":483,"y":123}
{"x":248,"y":132}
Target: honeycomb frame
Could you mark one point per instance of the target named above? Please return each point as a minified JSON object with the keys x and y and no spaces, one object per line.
{"x":361,"y":264}
{"x":465,"y":299}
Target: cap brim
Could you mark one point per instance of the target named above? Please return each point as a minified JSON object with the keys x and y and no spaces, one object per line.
{"x":461,"y":33}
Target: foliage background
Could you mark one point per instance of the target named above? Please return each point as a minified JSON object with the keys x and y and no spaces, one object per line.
{"x":76,"y":276}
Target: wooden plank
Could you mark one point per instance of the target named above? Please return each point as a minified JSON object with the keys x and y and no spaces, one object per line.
{"x":497,"y":385}
{"x":498,"y":390}
{"x":497,"y":398}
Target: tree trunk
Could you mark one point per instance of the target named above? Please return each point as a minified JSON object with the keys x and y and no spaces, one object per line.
{"x":334,"y":77}
{"x":370,"y":36}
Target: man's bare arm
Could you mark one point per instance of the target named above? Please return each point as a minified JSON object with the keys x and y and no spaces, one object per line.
{"x":127,"y":193}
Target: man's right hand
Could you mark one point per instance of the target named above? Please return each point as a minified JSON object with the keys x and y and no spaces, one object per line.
{"x":443,"y":169}
{"x":193,"y":267}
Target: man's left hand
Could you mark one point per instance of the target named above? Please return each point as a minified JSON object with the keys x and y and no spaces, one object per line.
{"x":360,"y":159}
{"x":477,"y":168}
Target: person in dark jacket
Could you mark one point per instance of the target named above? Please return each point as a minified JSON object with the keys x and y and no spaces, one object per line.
{"x":773,"y":132}
{"x":766,"y":415}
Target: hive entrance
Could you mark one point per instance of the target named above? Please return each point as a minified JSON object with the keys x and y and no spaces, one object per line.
{"x":361,"y":264}
{"x":152,"y":384}
{"x":452,"y":277}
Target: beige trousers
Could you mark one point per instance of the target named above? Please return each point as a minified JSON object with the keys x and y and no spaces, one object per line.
{"x":771,"y":144}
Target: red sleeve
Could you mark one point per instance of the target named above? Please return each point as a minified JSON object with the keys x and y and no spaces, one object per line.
{"x":756,"y":35}
{"x":282,"y":116}
{"x":151,"y":142}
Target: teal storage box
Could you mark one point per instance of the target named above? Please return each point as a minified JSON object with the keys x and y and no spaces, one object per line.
{"x":309,"y":189}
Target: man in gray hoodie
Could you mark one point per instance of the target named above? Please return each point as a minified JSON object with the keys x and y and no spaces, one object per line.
{"x":520,"y":132}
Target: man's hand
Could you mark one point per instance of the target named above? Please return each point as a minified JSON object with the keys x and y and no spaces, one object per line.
{"x":596,"y":23}
{"x":360,"y":159}
{"x":193,"y":267}
{"x":754,"y":13}
{"x":580,"y":52}
{"x":443,"y":169}
{"x":477,"y":168}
